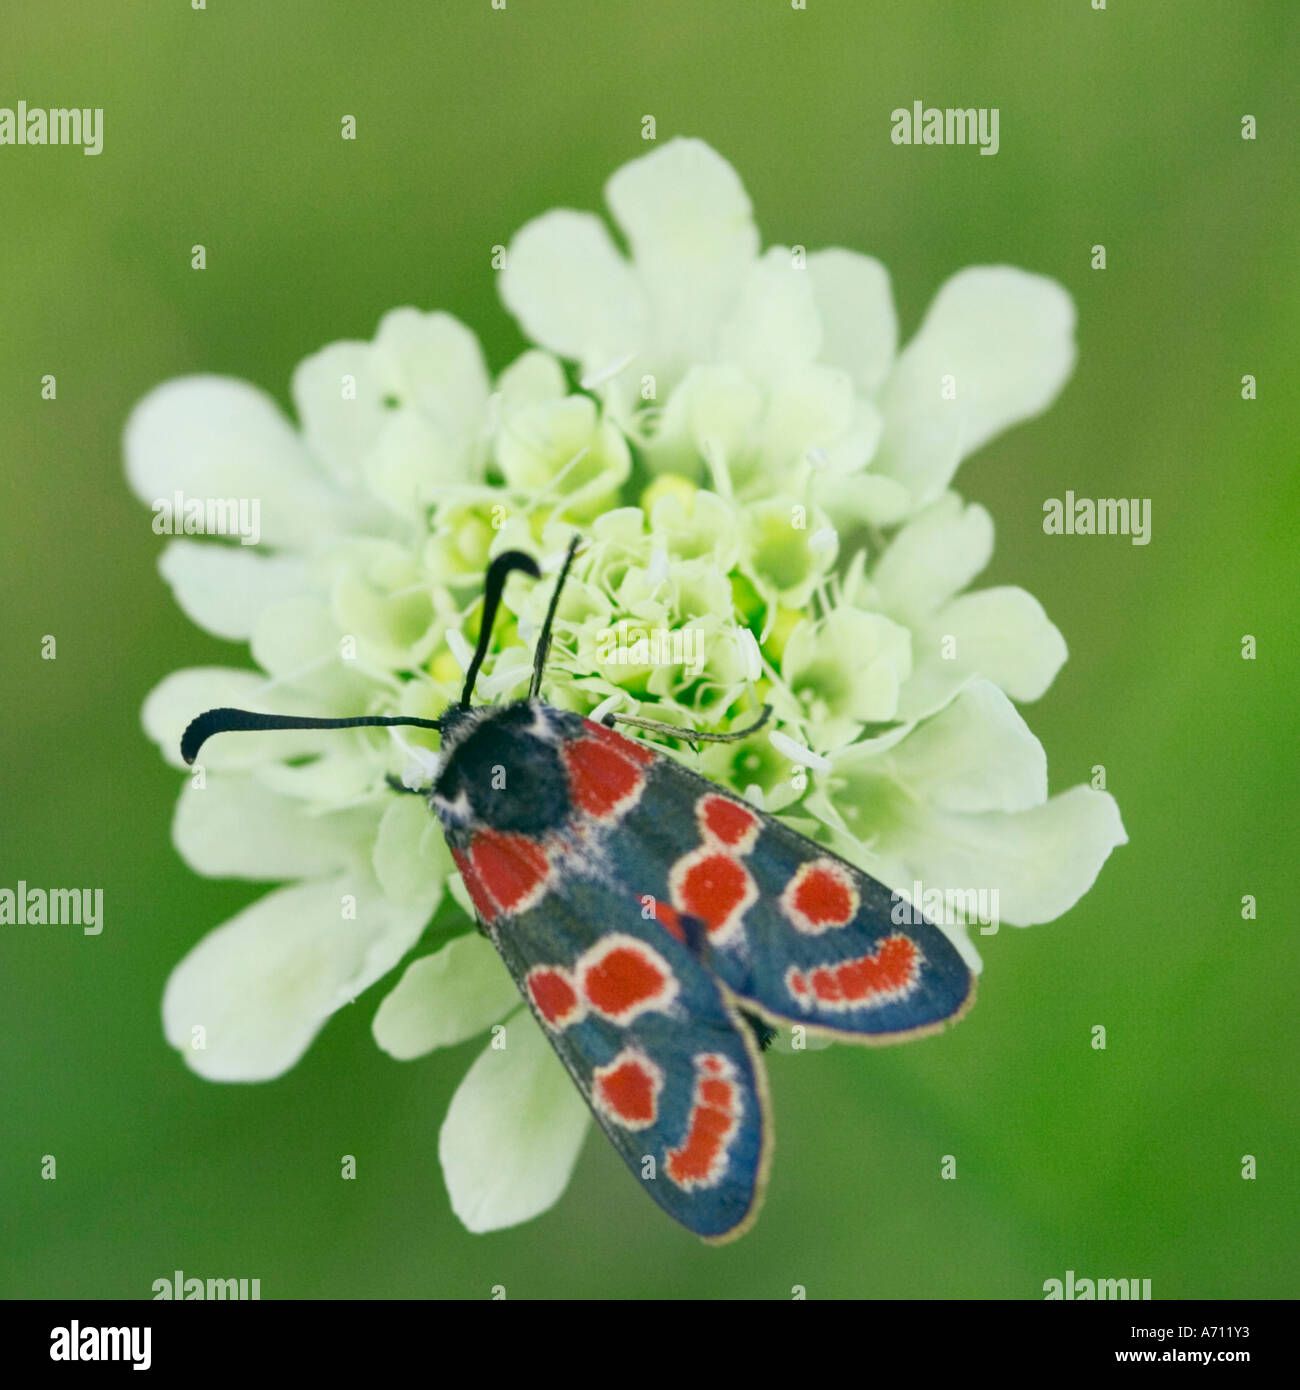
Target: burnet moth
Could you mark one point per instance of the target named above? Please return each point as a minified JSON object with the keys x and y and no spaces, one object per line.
{"x":659,"y":927}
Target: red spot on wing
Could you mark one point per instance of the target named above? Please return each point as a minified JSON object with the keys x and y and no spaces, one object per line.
{"x":715,"y":887}
{"x":820,"y":896}
{"x":715,"y":1093}
{"x":728,"y":822}
{"x":628,"y":747}
{"x":478,"y":894}
{"x":669,"y":920}
{"x":627,"y":1090}
{"x":553,"y":992}
{"x":603,"y":780}
{"x":621,"y":977}
{"x":701,"y":1158}
{"x":512,"y":868}
{"x":861,"y":982}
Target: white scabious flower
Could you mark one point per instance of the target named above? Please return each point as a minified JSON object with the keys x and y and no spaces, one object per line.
{"x":765,"y":367}
{"x":762,"y":478}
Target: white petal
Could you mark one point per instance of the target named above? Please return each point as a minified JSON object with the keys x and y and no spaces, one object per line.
{"x":346,"y":772}
{"x":411,"y":859}
{"x":853,"y":665}
{"x":340,"y":395}
{"x":445,"y":998}
{"x":1040,"y":861}
{"x":235,"y":827}
{"x":459,"y":647}
{"x":456,"y":887}
{"x":226,"y":588}
{"x":564,"y":445}
{"x":512,"y":1133}
{"x":775,"y":326}
{"x":1006,"y":337}
{"x":216,"y":437}
{"x":750,"y":654}
{"x":410,"y":460}
{"x":797,"y":753}
{"x":382,"y":597}
{"x":713,"y":409}
{"x":246,"y":1002}
{"x":533,"y":378}
{"x":811,"y":408}
{"x":976,"y":754}
{"x":859,"y":325}
{"x":299,"y":643}
{"x":438,"y":366}
{"x":1002,"y":634}
{"x":571,"y":289}
{"x":688,"y":222}
{"x":933,"y":557}
{"x":707,"y":526}
{"x":869,"y":497}
{"x":855,"y":447}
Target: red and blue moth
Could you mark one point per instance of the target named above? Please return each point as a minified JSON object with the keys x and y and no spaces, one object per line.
{"x":659,"y":927}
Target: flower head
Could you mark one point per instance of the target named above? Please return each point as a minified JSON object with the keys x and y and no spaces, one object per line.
{"x":763,"y":480}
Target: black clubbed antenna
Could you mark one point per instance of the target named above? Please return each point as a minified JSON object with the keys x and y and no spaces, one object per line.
{"x":544,"y":640}
{"x":493,"y":586}
{"x":225,"y":721}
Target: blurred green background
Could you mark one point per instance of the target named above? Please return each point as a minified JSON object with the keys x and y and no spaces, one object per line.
{"x":1120,"y":127}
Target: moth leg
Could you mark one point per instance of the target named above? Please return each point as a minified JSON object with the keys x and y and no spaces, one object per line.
{"x":763,"y":1032}
{"x":399,"y":786}
{"x":692,"y":736}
